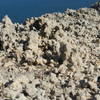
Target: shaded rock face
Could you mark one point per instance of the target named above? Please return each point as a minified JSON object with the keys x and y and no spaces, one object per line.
{"x":53,"y":57}
{"x":96,"y":6}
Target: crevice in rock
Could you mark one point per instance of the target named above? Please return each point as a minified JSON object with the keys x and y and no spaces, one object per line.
{"x":1,"y":45}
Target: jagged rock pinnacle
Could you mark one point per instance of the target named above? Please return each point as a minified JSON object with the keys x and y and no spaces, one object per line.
{"x":6,"y":20}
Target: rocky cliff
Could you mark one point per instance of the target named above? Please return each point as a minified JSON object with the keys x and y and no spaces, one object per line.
{"x":52,"y":57}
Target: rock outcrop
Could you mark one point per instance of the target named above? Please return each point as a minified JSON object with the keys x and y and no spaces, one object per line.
{"x":96,"y":6}
{"x":52,"y":57}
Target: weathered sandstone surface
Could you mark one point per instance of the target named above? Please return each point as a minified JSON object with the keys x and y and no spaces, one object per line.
{"x":52,"y":57}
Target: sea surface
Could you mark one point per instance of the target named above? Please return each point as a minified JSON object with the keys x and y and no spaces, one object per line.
{"x":19,"y":10}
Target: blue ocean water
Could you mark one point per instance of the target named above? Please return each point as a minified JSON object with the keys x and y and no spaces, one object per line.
{"x":19,"y":10}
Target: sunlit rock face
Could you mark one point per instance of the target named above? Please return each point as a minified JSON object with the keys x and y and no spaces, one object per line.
{"x":52,"y":57}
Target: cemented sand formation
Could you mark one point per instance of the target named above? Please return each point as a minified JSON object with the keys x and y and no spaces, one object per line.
{"x":53,"y":57}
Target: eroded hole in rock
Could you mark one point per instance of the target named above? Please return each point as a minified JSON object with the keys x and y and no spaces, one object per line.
{"x":84,"y":84}
{"x":65,"y":84}
{"x":70,"y":63}
{"x":19,"y":29}
{"x":12,"y":55}
{"x":73,"y":97}
{"x":37,"y":85}
{"x":25,"y":93}
{"x":1,"y":45}
{"x":23,"y":60}
{"x":35,"y":98}
{"x":8,"y":83}
{"x":98,"y":82}
{"x":53,"y":32}
{"x":47,"y":72}
{"x":62,"y":50}
{"x":28,"y":61}
{"x":47,"y":56}
{"x":25,"y":43}
{"x":51,"y":54}
{"x":56,"y":29}
{"x":36,"y":24}
{"x":76,"y":34}
{"x":52,"y":92}
{"x":98,"y":36}
{"x":7,"y":47}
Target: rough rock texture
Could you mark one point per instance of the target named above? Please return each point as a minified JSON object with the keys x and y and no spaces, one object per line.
{"x":53,"y":57}
{"x":96,"y":6}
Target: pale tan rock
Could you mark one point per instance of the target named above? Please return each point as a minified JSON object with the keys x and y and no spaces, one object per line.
{"x":17,"y":84}
{"x":97,"y":97}
{"x":62,"y":69}
{"x":53,"y":78}
{"x":7,"y":21}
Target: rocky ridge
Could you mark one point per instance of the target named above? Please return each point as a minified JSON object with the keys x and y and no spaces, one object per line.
{"x":52,"y":57}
